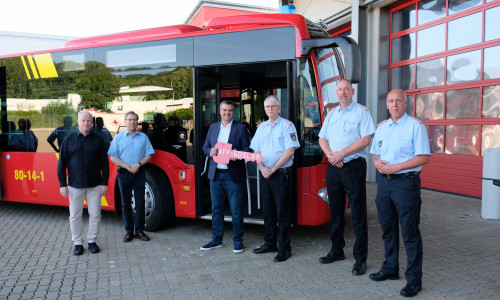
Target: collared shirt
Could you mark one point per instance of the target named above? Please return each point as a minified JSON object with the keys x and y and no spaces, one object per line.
{"x":130,"y":148}
{"x":342,"y":128}
{"x":272,"y":140}
{"x":401,"y":141}
{"x":85,"y":159}
{"x":60,"y":133}
{"x":223,"y":137}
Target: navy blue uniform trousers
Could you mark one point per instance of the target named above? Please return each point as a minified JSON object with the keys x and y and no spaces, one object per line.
{"x":349,"y":180}
{"x":398,"y":202}
{"x":275,"y":195}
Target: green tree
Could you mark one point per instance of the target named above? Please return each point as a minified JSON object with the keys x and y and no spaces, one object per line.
{"x":184,"y":113}
{"x":96,"y":85}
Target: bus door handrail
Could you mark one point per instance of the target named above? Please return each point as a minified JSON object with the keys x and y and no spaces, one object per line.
{"x":205,"y":168}
{"x":249,"y":196}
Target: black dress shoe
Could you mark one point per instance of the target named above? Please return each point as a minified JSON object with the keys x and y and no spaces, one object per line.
{"x":143,"y":237}
{"x":128,"y":237}
{"x":282,"y":256}
{"x":359,"y":268}
{"x":265,"y":249}
{"x":93,"y":248}
{"x":411,"y":290}
{"x":78,"y":250}
{"x":331,"y":257}
{"x":381,"y":276}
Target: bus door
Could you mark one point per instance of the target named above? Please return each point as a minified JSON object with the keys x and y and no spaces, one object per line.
{"x":207,"y":99}
{"x":247,"y":85}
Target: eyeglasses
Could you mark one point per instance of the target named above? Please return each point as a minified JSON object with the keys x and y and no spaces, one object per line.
{"x":271,"y":106}
{"x":131,"y":120}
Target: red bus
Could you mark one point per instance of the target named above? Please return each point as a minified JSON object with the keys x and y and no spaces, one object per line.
{"x":175,"y":77}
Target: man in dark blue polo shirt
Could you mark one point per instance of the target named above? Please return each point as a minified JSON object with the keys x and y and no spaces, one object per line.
{"x":83,"y":154}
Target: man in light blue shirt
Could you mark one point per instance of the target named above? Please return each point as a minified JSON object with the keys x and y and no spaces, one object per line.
{"x":400,"y":148}
{"x":276,"y":140}
{"x":130,"y":151}
{"x":345,"y":134}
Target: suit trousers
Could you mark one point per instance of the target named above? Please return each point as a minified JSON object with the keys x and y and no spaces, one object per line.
{"x":76,"y":202}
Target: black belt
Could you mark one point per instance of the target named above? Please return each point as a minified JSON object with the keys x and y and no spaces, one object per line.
{"x":222,"y":170}
{"x":402,"y":175}
{"x":284,"y":170}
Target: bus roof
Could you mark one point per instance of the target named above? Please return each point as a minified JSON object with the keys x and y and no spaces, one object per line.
{"x":214,"y":25}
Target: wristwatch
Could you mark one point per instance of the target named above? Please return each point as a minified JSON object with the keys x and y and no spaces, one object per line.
{"x":139,"y":163}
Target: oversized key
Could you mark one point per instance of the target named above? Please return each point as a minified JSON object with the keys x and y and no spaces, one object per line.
{"x":224,"y":154}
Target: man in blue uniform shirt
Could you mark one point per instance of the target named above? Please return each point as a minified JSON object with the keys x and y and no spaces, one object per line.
{"x":345,"y":134}
{"x":130,"y":151}
{"x":276,"y":140}
{"x":226,"y":179}
{"x":400,"y":147}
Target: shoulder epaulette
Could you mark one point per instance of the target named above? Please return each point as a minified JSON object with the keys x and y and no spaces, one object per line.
{"x":417,"y":119}
{"x":288,"y":122}
{"x":362,"y":107}
{"x":260,"y":124}
{"x":381,"y":123}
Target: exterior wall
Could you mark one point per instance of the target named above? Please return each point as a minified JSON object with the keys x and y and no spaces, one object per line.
{"x":315,"y":10}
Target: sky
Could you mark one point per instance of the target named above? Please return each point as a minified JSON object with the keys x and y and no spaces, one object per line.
{"x":95,"y":17}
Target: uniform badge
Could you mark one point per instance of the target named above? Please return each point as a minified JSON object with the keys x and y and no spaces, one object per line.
{"x":182,"y":175}
{"x":380,"y":144}
{"x":293,"y":136}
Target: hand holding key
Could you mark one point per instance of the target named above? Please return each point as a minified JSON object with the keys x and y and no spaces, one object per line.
{"x":224,"y":154}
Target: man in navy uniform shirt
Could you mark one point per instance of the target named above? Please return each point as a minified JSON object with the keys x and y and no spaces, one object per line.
{"x":276,"y":140}
{"x":400,"y":147}
{"x":83,"y":154}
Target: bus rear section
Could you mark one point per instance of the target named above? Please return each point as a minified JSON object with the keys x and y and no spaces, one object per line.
{"x":174,"y":78}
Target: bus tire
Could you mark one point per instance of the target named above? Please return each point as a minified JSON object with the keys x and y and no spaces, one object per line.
{"x":159,"y":200}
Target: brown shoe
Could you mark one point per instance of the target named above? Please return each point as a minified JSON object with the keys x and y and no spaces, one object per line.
{"x":143,"y":237}
{"x":128,"y":237}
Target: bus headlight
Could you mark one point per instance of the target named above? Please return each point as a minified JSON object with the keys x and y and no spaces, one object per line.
{"x":323,"y":194}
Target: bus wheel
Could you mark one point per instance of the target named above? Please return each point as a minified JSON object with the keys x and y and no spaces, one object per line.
{"x":159,"y":201}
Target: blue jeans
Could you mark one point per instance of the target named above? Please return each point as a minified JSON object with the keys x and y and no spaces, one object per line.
{"x":220,"y":187}
{"x":136,"y":182}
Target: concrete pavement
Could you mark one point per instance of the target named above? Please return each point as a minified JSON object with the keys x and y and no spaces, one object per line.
{"x":461,"y":259}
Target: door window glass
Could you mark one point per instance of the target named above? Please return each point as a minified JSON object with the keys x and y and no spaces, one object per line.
{"x":430,"y":106}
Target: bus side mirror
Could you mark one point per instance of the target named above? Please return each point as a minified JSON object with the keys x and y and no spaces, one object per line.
{"x":350,"y":52}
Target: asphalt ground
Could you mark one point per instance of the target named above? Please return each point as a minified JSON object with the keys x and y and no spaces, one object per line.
{"x":461,"y":259}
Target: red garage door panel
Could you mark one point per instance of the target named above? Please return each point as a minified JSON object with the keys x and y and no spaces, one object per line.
{"x":453,"y":173}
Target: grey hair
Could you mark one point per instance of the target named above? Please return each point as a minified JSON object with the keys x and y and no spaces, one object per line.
{"x":81,"y":113}
{"x":272,"y":98}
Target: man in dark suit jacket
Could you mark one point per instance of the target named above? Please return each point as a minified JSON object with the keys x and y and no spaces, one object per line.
{"x":226,"y":179}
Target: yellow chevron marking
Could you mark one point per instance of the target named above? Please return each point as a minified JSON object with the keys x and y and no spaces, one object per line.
{"x":25,"y":67}
{"x":33,"y":67}
{"x":103,"y":201}
{"x":45,"y":65}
